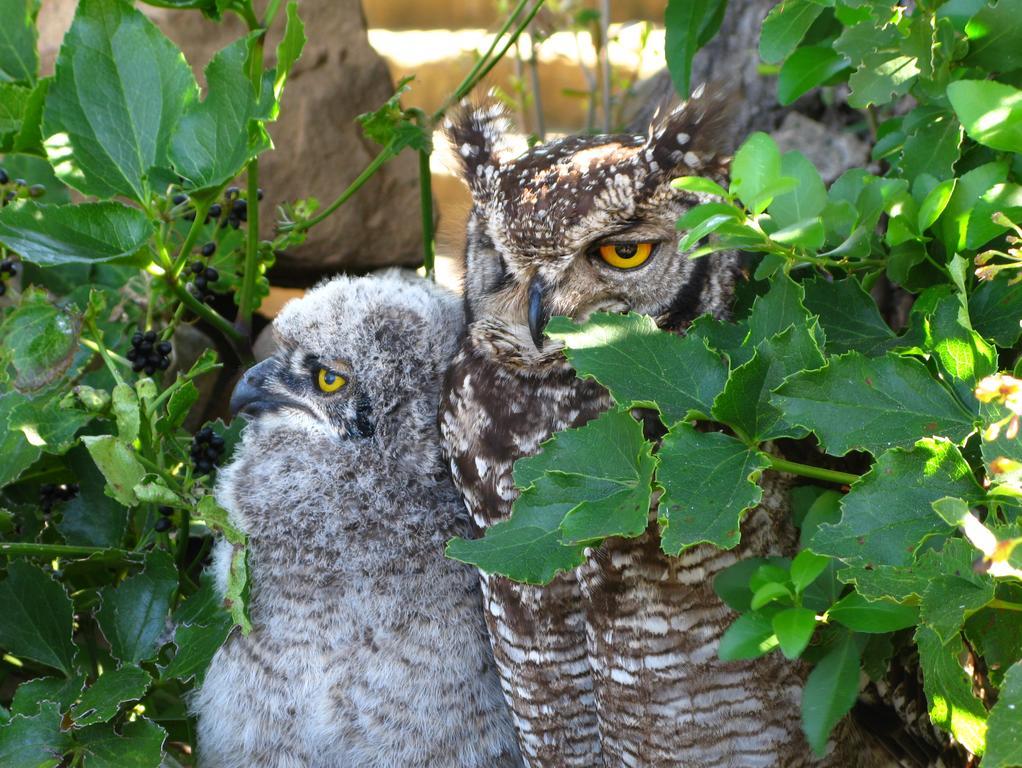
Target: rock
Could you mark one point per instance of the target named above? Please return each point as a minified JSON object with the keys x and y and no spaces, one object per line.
{"x":831,"y":150}
{"x":320,"y":148}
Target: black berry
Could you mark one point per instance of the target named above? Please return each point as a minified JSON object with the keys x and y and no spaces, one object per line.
{"x":165,"y":511}
{"x":232,"y":193}
{"x":212,"y":275}
{"x":180,"y":198}
{"x":163,"y":525}
{"x":239,"y":209}
{"x":197,"y":267}
{"x":147,"y":354}
{"x":206,"y":450}
{"x":4,"y":178}
{"x":208,"y":249}
{"x":36,"y":190}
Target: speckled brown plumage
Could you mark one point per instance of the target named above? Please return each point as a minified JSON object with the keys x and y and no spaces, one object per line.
{"x":368,"y":647}
{"x":615,"y":663}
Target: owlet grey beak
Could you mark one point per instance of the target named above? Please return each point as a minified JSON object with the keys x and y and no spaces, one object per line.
{"x":250,"y":395}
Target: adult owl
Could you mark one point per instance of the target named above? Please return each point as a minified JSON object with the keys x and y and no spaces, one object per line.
{"x":614,"y":664}
{"x":368,"y":647}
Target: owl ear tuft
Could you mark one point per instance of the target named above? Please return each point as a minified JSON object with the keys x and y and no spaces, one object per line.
{"x":477,"y":134}
{"x":688,"y":141}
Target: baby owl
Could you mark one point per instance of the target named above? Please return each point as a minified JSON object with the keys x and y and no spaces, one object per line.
{"x":368,"y":647}
{"x":614,"y":664}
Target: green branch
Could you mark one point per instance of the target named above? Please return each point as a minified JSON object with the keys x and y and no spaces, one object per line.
{"x":55,"y":550}
{"x":807,"y":470}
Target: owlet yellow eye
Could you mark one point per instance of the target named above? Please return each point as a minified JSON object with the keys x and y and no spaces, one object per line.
{"x":328,"y":381}
{"x":625,"y":255}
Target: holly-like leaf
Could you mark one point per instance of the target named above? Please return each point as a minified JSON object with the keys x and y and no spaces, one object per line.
{"x":119,"y":90}
{"x":30,"y":696}
{"x":932,"y":144}
{"x":19,"y":454}
{"x":949,"y":600}
{"x":135,"y":611}
{"x":830,"y":691}
{"x":202,"y":627}
{"x":37,"y":617}
{"x":862,"y":615}
{"x":949,"y":690}
{"x":643,"y":365}
{"x":991,"y":112}
{"x":887,"y":514}
{"x":784,"y":28}
{"x":140,"y":745}
{"x":871,"y":404}
{"x":49,"y":235}
{"x":1004,"y":737}
{"x":47,"y":426}
{"x":709,"y":481}
{"x":19,"y":60}
{"x":33,"y":741}
{"x":218,"y":136}
{"x":849,"y":316}
{"x":690,"y":24}
{"x":103,"y":699}
{"x":119,"y":466}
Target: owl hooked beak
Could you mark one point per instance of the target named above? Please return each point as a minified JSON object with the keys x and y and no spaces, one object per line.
{"x":252,"y":397}
{"x":538,"y":316}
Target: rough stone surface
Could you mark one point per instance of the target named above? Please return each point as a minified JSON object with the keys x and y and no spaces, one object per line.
{"x":320,"y":149}
{"x":832,"y":151}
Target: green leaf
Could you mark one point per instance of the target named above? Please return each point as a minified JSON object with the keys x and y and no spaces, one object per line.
{"x":589,"y":482}
{"x":289,"y":50}
{"x":19,"y":454}
{"x":932,"y":144}
{"x":871,"y":404}
{"x":849,"y":316}
{"x":1000,"y":198}
{"x":125,"y":409}
{"x":732,"y":583}
{"x":934,"y":203}
{"x":91,"y":518}
{"x":953,"y":224}
{"x":807,"y":68}
{"x":13,"y":105}
{"x":19,"y":60}
{"x":806,"y":568}
{"x":41,"y":340}
{"x":708,"y":481}
{"x":784,"y":28}
{"x":699,"y":184}
{"x":33,"y":742}
{"x":202,"y":627}
{"x":47,"y":426}
{"x":830,"y":691}
{"x":995,"y":308}
{"x":991,"y":112}
{"x":103,"y":699}
{"x":140,"y":745}
{"x":119,"y":466}
{"x":885,"y":67}
{"x":768,"y":593}
{"x":30,"y":138}
{"x":755,"y":168}
{"x":887,"y":514}
{"x":216,"y":137}
{"x":218,"y":518}
{"x":949,"y":600}
{"x":794,"y":628}
{"x":690,"y":25}
{"x":949,"y":690}
{"x":135,"y":611}
{"x":993,"y":35}
{"x":37,"y":617}
{"x":65,"y":234}
{"x":31,"y":695}
{"x":119,"y":90}
{"x":909,"y":582}
{"x":719,"y":215}
{"x":643,"y":365}
{"x":1004,"y":737}
{"x":751,"y":636}
{"x":961,"y":354}
{"x":238,"y":588}
{"x":862,"y":615}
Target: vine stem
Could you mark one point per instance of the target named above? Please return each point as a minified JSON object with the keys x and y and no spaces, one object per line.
{"x":113,"y":356}
{"x":55,"y":550}
{"x":385,"y":154}
{"x":1004,"y":605}
{"x":807,"y":470}
{"x":99,"y":346}
{"x":201,"y":209}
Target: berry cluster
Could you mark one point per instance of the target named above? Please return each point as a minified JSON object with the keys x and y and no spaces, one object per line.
{"x":164,"y":524}
{"x":231,"y":210}
{"x":51,"y":494}
{"x":11,"y":190}
{"x":8,"y":268}
{"x":204,"y":275}
{"x":146,"y":354}
{"x":207,"y":450}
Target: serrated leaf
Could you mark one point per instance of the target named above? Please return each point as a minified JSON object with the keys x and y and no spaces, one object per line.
{"x":949,"y":600}
{"x":1004,"y":737}
{"x":794,"y":628}
{"x":202,"y":627}
{"x":871,"y":404}
{"x":862,"y":615}
{"x":932,"y":145}
{"x":849,"y":316}
{"x":119,"y":466}
{"x":119,"y":90}
{"x":887,"y":514}
{"x":961,"y":354}
{"x":953,"y":225}
{"x":949,"y":690}
{"x":215,"y":516}
{"x":990,"y":112}
{"x":830,"y":691}
{"x":30,"y":696}
{"x":690,"y":24}
{"x":134,"y":612}
{"x":586,"y":483}
{"x":784,"y":28}
{"x":908,"y":583}
{"x":35,"y":741}
{"x":50,"y":235}
{"x":103,"y":699}
{"x":749,"y":637}
{"x":19,"y":60}
{"x":139,"y":745}
{"x":37,"y":617}
{"x":217,"y":136}
{"x":708,"y":481}
{"x":643,"y":365}
{"x":19,"y":454}
{"x":995,"y":308}
{"x":41,"y":340}
{"x":47,"y":426}
{"x":807,"y":68}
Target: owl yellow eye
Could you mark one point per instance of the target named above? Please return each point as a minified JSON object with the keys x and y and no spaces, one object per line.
{"x":328,"y":381}
{"x":625,"y":255}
